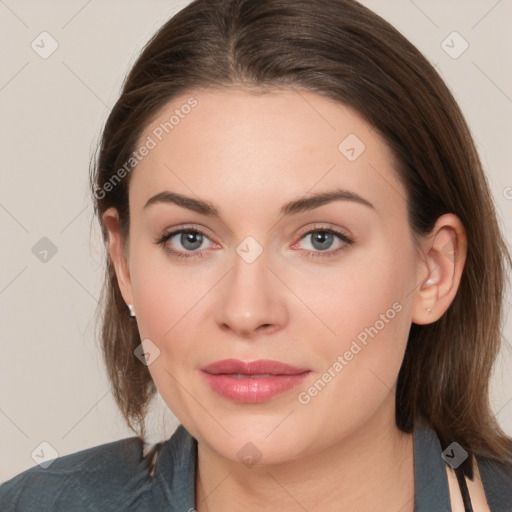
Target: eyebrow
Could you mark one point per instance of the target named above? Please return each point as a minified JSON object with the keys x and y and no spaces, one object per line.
{"x":293,"y":207}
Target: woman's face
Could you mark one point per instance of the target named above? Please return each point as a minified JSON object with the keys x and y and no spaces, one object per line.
{"x":266,"y":281}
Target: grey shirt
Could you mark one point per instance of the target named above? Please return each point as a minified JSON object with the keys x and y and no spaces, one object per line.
{"x":116,"y":477}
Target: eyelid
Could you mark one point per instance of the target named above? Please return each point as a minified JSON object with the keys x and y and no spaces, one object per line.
{"x":185,"y":227}
{"x":324,"y":226}
{"x":162,"y":238}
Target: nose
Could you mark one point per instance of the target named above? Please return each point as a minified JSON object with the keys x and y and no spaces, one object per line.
{"x":253,"y":300}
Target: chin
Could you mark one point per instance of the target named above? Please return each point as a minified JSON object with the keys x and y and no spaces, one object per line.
{"x":253,"y":446}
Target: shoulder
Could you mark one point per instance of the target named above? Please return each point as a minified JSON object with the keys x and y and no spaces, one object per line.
{"x":115,"y":476}
{"x":76,"y":481}
{"x":497,"y":482}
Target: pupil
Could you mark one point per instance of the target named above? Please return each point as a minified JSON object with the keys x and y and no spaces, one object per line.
{"x":323,"y":237}
{"x":189,"y":238}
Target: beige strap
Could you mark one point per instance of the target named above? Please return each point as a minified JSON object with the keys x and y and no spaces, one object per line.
{"x":475,"y":489}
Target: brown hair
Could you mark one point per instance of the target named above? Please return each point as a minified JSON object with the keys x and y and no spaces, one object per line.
{"x":343,"y":51}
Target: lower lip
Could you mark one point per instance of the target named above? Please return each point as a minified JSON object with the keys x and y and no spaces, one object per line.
{"x":253,"y":390}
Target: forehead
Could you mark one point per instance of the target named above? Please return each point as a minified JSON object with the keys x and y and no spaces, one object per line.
{"x":233,"y":145}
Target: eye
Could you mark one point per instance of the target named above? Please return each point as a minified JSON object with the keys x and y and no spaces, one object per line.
{"x":190,"y":239}
{"x":193,"y":240}
{"x":322,"y":239}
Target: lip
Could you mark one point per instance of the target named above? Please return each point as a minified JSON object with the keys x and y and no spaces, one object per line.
{"x":258,"y":367}
{"x":249,"y":386}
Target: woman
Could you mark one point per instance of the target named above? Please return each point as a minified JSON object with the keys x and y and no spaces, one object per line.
{"x":304,"y":262}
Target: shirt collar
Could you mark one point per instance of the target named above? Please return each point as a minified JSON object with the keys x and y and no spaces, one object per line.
{"x":177,"y":464}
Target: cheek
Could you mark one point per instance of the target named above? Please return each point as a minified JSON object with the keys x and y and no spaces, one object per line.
{"x":358,"y":365}
{"x":170,"y":300}
{"x":165,"y":293}
{"x":367,"y":317}
{"x":167,"y":303}
{"x":367,"y":296}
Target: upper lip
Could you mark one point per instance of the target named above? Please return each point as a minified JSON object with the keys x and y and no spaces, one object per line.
{"x":258,"y":367}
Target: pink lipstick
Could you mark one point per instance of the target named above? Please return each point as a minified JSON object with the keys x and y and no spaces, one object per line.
{"x":254,"y":381}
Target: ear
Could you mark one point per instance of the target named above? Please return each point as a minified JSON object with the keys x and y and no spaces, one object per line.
{"x":116,"y":253}
{"x":441,"y":262}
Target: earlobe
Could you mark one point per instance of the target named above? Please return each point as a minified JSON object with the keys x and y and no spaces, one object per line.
{"x":442,"y":262}
{"x":116,"y":253}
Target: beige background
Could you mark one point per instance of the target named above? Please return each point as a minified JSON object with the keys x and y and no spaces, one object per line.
{"x":53,"y":387}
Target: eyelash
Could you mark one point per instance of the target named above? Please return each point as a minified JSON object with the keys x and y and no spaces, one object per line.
{"x":162,"y":239}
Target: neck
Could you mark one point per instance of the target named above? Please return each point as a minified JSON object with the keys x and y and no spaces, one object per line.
{"x":370,"y":469}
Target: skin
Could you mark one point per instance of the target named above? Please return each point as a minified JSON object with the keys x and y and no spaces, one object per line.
{"x":249,"y":154}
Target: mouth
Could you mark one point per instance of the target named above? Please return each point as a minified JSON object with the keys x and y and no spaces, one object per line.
{"x":252,"y":382}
